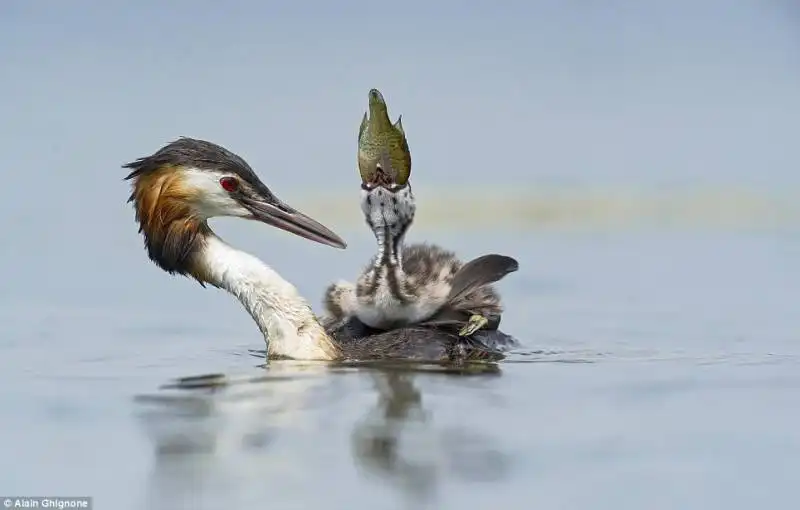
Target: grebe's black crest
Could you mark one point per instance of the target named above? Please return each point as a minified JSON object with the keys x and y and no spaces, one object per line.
{"x":194,"y":153}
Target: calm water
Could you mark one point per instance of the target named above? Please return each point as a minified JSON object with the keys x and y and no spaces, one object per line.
{"x":660,"y":372}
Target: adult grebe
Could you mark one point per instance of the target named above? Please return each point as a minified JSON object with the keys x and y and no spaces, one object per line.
{"x":174,"y":193}
{"x":413,"y":284}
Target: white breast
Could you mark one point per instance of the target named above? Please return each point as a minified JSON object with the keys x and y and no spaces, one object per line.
{"x":383,"y":311}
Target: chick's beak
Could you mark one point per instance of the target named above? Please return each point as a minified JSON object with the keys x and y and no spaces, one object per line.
{"x":278,"y":214}
{"x":376,"y":177}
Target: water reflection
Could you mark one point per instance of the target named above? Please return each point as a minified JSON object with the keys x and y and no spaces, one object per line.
{"x":226,"y":442}
{"x":212,"y":435}
{"x":399,"y":442}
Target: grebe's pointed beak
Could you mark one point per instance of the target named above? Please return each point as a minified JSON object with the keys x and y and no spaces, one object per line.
{"x":278,"y":214}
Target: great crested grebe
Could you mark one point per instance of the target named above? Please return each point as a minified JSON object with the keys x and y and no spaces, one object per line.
{"x":176,"y":190}
{"x":419,"y":283}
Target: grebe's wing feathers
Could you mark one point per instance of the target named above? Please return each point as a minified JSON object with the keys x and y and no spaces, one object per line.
{"x":476,"y":273}
{"x":414,"y":343}
{"x":479,"y":272}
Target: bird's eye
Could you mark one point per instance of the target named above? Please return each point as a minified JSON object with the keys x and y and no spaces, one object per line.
{"x":229,"y":184}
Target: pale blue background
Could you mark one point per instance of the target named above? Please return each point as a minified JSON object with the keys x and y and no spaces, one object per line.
{"x":631,"y":98}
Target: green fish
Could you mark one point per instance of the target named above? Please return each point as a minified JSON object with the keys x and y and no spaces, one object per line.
{"x":383,"y":152}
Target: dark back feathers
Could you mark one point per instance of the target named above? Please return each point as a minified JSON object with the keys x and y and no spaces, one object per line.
{"x":481,"y":271}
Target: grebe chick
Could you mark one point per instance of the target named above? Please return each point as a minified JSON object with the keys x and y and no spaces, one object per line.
{"x":416,"y":284}
{"x":407,"y":285}
{"x":176,"y":190}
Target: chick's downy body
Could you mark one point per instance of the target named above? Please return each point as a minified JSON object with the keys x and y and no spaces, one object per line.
{"x":406,"y":285}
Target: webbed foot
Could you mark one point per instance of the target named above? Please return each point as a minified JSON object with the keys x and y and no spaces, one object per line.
{"x":476,"y":322}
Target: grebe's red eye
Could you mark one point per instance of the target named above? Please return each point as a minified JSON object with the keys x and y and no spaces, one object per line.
{"x":229,"y":184}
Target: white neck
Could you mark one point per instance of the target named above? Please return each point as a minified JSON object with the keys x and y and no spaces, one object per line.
{"x":289,"y":326}
{"x":386,"y":243}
